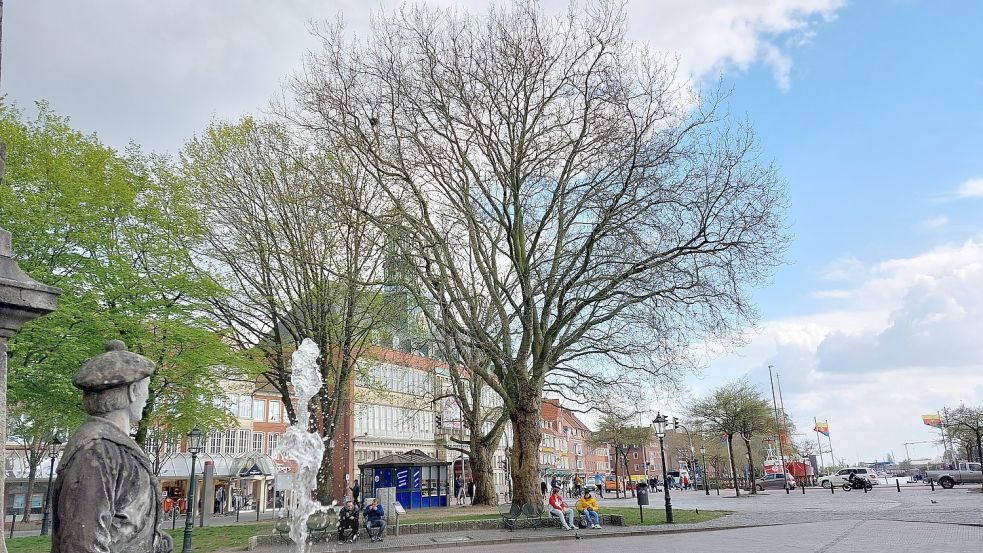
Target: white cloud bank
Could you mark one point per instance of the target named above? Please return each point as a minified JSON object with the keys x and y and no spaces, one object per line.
{"x":156,"y":72}
{"x":972,"y":188}
{"x":905,"y":340}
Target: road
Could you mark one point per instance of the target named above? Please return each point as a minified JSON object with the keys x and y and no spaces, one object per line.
{"x":819,"y":537}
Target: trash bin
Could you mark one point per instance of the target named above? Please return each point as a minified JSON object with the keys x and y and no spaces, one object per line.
{"x":642,"y":493}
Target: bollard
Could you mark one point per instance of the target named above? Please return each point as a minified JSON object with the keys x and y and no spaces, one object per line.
{"x":174,"y":516}
{"x":898,"y":482}
{"x":13,"y":519}
{"x":865,"y":489}
{"x":803,"y":489}
{"x":932,"y":482}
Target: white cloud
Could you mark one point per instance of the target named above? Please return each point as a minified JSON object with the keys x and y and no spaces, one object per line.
{"x":156,"y":72}
{"x":901,"y":341}
{"x":972,"y":188}
{"x":933,"y":223}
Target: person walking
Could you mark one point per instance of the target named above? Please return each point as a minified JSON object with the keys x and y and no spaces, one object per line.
{"x":599,"y":484}
{"x":588,"y":509}
{"x":356,"y":492}
{"x":542,"y":486}
{"x":459,"y":490}
{"x":471,"y":491}
{"x":559,"y":509}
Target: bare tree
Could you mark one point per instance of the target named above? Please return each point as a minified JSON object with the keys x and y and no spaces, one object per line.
{"x":753,"y":418}
{"x":34,"y":436}
{"x":721,"y":413}
{"x":966,"y":423}
{"x":288,"y":235}
{"x":615,"y":431}
{"x":614,"y":218}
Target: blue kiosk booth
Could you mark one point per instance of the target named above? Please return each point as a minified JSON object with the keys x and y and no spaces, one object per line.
{"x":420,"y":480}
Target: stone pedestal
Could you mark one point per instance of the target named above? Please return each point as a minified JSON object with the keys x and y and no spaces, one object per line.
{"x":22,"y":299}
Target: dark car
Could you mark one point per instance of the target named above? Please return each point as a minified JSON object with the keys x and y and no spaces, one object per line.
{"x":774,"y":482}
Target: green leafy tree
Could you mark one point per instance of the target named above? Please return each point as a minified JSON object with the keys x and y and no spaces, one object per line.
{"x":114,"y":232}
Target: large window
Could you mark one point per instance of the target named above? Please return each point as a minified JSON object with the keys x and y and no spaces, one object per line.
{"x":258,"y":442}
{"x":259,"y":409}
{"x":230,"y":442}
{"x":245,"y":403}
{"x":272,"y":441}
{"x":242,"y":443}
{"x":214,"y":443}
{"x":274,"y":410}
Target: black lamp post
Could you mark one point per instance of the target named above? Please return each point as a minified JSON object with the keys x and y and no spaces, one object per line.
{"x":195,"y":440}
{"x":703,"y":455}
{"x":660,"y":430}
{"x":53,"y":447}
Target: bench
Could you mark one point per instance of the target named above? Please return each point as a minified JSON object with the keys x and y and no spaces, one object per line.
{"x":512,"y":513}
{"x":319,"y":526}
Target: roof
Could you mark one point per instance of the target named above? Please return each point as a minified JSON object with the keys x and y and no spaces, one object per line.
{"x":412,"y":458}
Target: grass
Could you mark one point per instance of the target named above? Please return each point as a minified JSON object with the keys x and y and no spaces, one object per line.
{"x":214,"y":539}
{"x":210,"y":539}
{"x":658,"y":516}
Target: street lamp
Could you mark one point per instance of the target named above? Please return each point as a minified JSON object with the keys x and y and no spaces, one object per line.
{"x":659,"y":423}
{"x":703,"y":455}
{"x":195,"y":440}
{"x":53,"y":447}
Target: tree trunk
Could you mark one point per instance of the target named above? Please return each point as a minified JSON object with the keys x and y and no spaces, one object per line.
{"x":482,"y":472}
{"x":733,"y":469}
{"x":325,"y":477}
{"x":32,"y":476}
{"x":750,"y":465}
{"x":525,"y":452}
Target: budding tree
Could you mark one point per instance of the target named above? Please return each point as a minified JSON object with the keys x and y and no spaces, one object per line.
{"x":613,"y":218}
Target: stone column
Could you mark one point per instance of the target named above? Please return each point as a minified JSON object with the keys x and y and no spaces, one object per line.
{"x":22,"y":299}
{"x":207,"y":493}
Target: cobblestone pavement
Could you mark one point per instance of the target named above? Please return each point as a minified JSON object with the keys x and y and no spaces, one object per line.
{"x":818,"y":521}
{"x":822,"y":537}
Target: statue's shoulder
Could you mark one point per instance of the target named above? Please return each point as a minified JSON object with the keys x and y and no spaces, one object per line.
{"x":100,"y":437}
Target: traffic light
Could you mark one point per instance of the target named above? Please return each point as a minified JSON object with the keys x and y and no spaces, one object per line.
{"x":438,"y":420}
{"x":675,"y":422}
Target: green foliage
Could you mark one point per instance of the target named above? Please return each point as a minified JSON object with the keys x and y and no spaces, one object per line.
{"x":114,"y":232}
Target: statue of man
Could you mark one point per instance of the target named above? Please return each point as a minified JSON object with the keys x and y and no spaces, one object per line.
{"x":106,"y":498}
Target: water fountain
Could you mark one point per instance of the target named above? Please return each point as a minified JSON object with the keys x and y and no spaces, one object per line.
{"x":304,"y":447}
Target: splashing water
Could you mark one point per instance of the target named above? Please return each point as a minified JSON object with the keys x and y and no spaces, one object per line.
{"x":306,"y":448}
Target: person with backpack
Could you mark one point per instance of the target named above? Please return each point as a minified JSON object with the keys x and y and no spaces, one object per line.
{"x":588,"y":509}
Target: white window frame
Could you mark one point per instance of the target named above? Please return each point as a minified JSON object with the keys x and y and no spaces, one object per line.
{"x":274,"y":411}
{"x":260,"y":413}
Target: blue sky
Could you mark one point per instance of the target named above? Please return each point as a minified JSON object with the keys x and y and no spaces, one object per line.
{"x":872,"y":109}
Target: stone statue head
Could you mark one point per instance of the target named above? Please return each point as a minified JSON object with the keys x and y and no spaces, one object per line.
{"x":115,"y":381}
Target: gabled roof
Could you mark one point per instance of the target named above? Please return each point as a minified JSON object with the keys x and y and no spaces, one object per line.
{"x":412,"y":458}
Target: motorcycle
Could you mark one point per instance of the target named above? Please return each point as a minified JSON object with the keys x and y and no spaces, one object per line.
{"x":858,"y":484}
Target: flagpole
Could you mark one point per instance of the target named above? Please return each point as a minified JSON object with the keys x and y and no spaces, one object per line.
{"x":831,"y":456}
{"x":818,"y":442}
{"x":778,"y":429}
{"x":942,"y":430}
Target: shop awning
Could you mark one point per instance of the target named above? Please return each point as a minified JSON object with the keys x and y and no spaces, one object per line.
{"x":178,"y":466}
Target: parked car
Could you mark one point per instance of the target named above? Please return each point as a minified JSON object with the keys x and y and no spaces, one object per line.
{"x":841,"y":476}
{"x":965,"y":473}
{"x":774,"y":482}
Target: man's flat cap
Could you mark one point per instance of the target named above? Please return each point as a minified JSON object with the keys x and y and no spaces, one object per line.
{"x":117,"y":367}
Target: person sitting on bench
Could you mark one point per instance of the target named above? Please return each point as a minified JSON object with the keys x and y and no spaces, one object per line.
{"x":559,"y":509}
{"x":375,"y":518}
{"x":348,"y":520}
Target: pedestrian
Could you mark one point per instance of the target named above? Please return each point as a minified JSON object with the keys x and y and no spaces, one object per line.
{"x":559,"y":509}
{"x":356,"y":492}
{"x":459,"y":490}
{"x":542,"y":486}
{"x":685,"y":481}
{"x":599,"y":484}
{"x":471,"y":490}
{"x":588,"y":509}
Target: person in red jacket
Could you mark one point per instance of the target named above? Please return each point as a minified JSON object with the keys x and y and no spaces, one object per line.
{"x":559,"y":509}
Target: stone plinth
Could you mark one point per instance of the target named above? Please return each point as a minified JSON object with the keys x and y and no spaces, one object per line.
{"x":22,"y":299}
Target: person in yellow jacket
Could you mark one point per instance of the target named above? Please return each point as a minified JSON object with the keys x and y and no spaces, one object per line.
{"x":588,"y":509}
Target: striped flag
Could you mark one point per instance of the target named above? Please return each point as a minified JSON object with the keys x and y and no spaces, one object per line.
{"x":932,"y":420}
{"x":822,"y":428}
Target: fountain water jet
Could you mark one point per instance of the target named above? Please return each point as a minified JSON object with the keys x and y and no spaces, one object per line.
{"x":304,"y":447}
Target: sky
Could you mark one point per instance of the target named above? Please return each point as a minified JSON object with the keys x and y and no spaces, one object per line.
{"x":871,"y":109}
